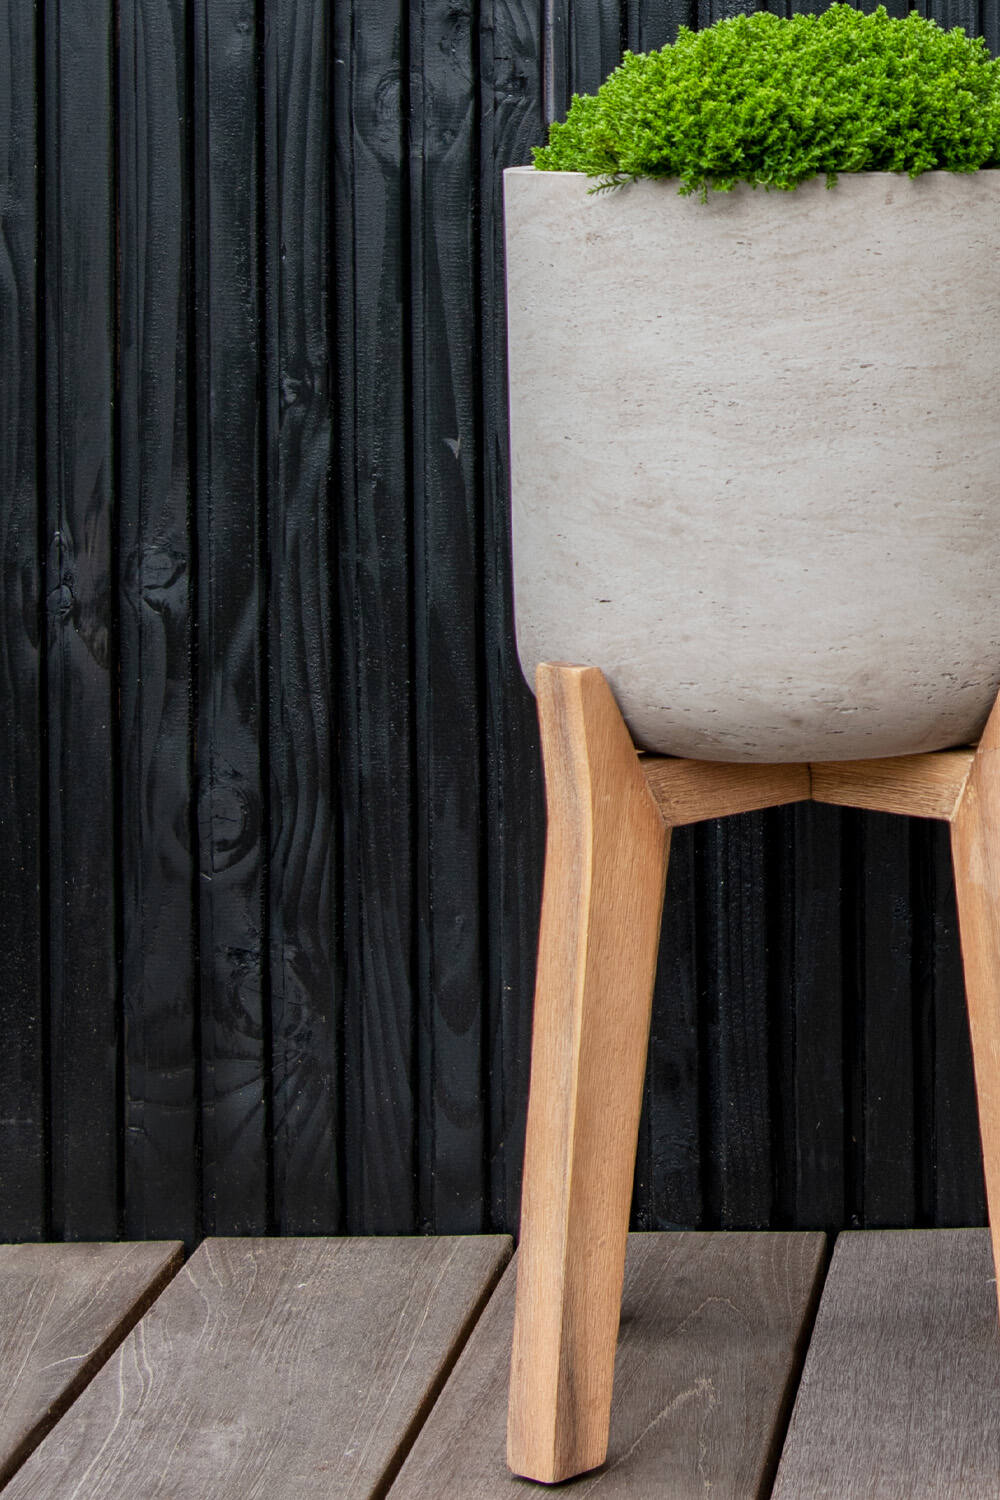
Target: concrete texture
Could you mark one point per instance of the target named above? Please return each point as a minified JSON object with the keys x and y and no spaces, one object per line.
{"x":756,"y":457}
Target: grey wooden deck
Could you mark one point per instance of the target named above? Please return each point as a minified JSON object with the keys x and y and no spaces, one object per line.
{"x":377,"y":1367}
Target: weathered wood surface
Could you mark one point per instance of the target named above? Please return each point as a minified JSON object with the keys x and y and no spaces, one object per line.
{"x":605,"y":866}
{"x":898,"y":1398}
{"x":155,"y":568}
{"x":303,"y":876}
{"x":712,"y":1336}
{"x":232,"y":810}
{"x":285,"y":1368}
{"x":23,"y":1124}
{"x":81,"y":618}
{"x":374,"y":703}
{"x":63,"y":1309}
{"x":688,"y":791}
{"x":919,"y":786}
{"x":448,"y":689}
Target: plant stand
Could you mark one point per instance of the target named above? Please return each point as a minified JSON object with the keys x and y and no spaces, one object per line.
{"x":610,"y":812}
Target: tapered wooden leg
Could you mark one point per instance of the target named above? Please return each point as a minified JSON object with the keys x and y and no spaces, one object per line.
{"x":605,"y":866}
{"x":975,"y":847}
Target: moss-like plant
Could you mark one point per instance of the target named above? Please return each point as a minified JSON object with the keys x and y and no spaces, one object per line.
{"x":770,"y":101}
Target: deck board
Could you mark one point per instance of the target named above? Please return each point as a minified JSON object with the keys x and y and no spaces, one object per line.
{"x":898,"y":1399}
{"x":273,"y":1368}
{"x":712,"y":1336}
{"x":63,"y":1308}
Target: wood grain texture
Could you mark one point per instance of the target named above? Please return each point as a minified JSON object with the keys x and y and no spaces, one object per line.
{"x":63,"y":1310}
{"x":605,"y":866}
{"x":230,"y":739}
{"x":669,"y":1168}
{"x":162,"y":1193}
{"x":447,"y":633}
{"x":975,"y":845}
{"x":303,"y":887}
{"x":23,"y":1187}
{"x":654,"y":23}
{"x":736,"y":984}
{"x":919,"y":786}
{"x":286,"y":1368}
{"x":81,"y":611}
{"x":713,"y":1332}
{"x":898,"y":1395}
{"x":689,"y":791}
{"x":374,"y":702}
{"x":510,"y":122}
{"x":891,"y":1128}
{"x":807,"y":1025}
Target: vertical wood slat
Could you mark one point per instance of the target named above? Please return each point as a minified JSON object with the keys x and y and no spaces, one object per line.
{"x":443,"y":173}
{"x":155,"y":568}
{"x":303,"y":883}
{"x":808,"y":1029}
{"x":511,"y":113}
{"x":734,"y":1017}
{"x":374,"y":669}
{"x":888,"y":1190}
{"x":231,"y":812}
{"x":80,"y":597}
{"x":23,"y":1206}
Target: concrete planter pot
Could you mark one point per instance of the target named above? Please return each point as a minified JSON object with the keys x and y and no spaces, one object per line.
{"x":755,"y":450}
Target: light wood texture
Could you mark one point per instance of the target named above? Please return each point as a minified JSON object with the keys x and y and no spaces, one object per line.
{"x":605,"y":865}
{"x":63,"y":1308}
{"x":686,"y":791}
{"x":898,"y":1399}
{"x":975,"y":849}
{"x":713,"y":1332}
{"x":921,"y":786}
{"x":285,"y":1368}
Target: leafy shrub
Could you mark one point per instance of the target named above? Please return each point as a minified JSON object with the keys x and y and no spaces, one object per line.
{"x":770,"y":101}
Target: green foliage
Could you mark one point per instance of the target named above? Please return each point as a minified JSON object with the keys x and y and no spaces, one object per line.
{"x":770,"y":101}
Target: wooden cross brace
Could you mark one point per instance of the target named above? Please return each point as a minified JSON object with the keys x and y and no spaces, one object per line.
{"x":610,"y":811}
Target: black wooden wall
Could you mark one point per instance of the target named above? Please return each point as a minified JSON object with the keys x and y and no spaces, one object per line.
{"x":271,"y":816}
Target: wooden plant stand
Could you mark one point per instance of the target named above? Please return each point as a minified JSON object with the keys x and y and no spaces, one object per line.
{"x":610,"y":812}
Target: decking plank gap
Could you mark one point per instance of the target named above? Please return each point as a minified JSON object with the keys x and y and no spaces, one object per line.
{"x":287,"y":1368}
{"x":63,"y":1311}
{"x":712,"y":1339}
{"x":898,"y":1395}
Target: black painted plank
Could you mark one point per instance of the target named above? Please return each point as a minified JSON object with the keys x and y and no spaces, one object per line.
{"x":231,"y":813}
{"x":668,"y":1181}
{"x":953,"y":1160}
{"x":22,"y":1120}
{"x":735,"y":982}
{"x":155,"y":565}
{"x":80,"y":612}
{"x":443,"y":178}
{"x":654,"y":23}
{"x":808,"y":1065}
{"x":303,"y":881}
{"x":888,"y":1163}
{"x":510,"y":60}
{"x":374,"y":671}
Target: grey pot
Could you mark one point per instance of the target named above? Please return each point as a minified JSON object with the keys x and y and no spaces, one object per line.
{"x":754,"y":457}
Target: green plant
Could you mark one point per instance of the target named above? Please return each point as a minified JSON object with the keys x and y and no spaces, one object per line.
{"x":770,"y":101}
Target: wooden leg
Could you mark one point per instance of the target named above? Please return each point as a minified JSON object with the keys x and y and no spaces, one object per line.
{"x":605,"y":866}
{"x":975,"y":848}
